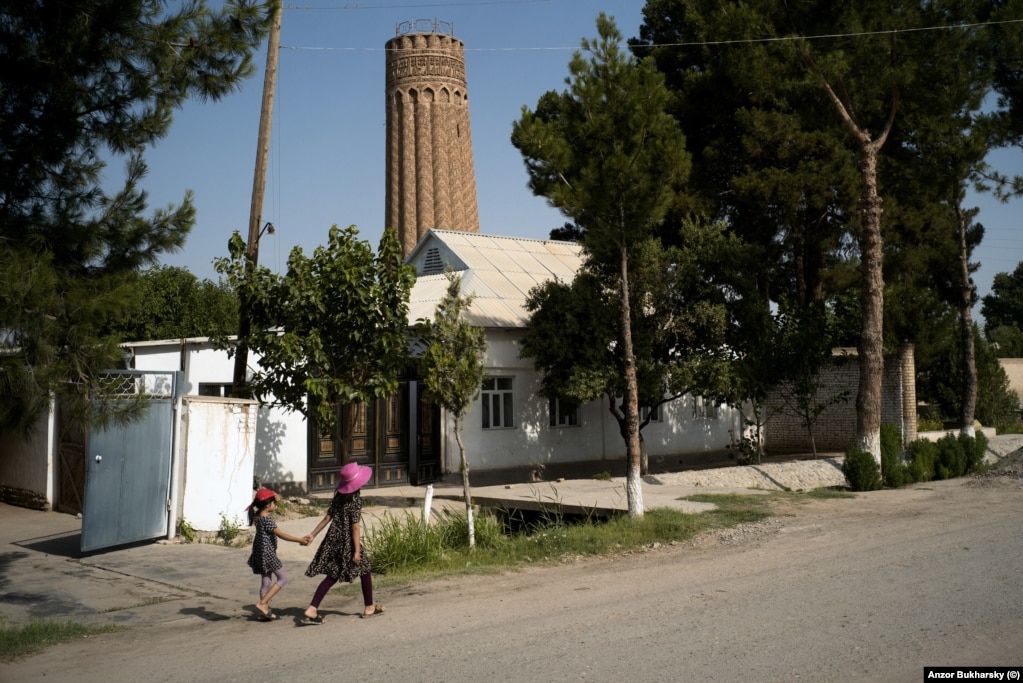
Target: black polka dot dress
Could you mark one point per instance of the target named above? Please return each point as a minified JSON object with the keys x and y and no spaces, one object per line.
{"x":334,"y":556}
{"x":263,"y":559}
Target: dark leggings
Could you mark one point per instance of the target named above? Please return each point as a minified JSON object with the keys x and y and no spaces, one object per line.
{"x":329,"y":581}
{"x":268,"y":580}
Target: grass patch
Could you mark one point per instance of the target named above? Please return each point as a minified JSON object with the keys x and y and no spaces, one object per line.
{"x":18,"y":641}
{"x":403,"y":548}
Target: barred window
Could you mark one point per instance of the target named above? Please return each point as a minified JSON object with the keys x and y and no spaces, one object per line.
{"x":497,"y":403}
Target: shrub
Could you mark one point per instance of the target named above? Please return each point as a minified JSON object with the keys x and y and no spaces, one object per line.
{"x":861,"y":470}
{"x":922,"y":454}
{"x":894,"y":472}
{"x":951,"y":458}
{"x":975,"y":448}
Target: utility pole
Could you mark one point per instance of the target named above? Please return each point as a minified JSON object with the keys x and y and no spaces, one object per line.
{"x":256,"y":209}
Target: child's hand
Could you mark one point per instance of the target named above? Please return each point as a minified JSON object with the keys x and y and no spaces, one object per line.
{"x":307,"y":539}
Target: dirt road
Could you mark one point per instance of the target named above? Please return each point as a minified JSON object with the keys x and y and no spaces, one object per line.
{"x":866,"y":589}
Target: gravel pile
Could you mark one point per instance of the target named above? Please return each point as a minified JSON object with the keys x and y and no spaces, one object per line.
{"x":798,"y":475}
{"x":1007,"y":471}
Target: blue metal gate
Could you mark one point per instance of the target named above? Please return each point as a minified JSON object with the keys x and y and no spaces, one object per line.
{"x":128,"y":468}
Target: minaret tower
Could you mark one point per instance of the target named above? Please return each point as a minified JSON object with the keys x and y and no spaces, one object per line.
{"x":431,"y":181}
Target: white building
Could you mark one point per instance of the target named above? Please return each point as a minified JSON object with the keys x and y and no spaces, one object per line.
{"x":514,"y":438}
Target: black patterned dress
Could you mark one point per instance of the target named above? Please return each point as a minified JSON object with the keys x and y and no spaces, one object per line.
{"x":334,"y":556}
{"x":263,"y":559}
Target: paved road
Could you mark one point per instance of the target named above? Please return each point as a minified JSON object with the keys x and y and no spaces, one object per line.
{"x":870,"y":589}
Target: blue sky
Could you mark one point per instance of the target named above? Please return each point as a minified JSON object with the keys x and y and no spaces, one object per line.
{"x":327,"y":151}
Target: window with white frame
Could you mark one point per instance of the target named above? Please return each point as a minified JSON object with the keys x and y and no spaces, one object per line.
{"x":563,"y":414}
{"x":654,"y":414}
{"x":497,"y":403}
{"x":704,"y":408}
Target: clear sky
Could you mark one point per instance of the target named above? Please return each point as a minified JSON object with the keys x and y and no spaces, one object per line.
{"x":327,"y":151}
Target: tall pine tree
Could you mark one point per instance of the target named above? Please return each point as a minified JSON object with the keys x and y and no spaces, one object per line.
{"x":79,"y":83}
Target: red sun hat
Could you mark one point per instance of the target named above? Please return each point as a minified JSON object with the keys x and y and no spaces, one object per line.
{"x":352,"y":476}
{"x":262,"y":495}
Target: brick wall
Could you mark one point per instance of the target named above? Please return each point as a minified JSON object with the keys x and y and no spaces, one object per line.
{"x":835,"y":430}
{"x":431,"y":178}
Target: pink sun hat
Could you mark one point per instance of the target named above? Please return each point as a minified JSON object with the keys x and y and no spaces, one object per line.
{"x":352,"y":476}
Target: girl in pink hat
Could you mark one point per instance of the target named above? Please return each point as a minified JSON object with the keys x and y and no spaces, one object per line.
{"x":264,"y":560}
{"x":341,"y":556}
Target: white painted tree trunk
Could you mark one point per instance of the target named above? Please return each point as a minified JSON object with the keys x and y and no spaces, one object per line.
{"x":466,"y":491}
{"x":870,"y":442}
{"x":634,"y":490}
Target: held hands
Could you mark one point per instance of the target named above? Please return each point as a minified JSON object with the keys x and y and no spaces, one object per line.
{"x":307,"y":539}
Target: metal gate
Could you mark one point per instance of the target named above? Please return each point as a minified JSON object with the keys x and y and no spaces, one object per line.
{"x":128,"y":468}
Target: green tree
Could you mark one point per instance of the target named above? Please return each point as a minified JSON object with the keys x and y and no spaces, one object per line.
{"x":806,"y":347}
{"x":1002,"y":310}
{"x":610,"y":158}
{"x":574,"y":331}
{"x":81,"y":82}
{"x":332,"y":331}
{"x":821,"y":88}
{"x":997,"y":405}
{"x":453,"y":370}
{"x":172,"y":303}
{"x":1003,"y":307}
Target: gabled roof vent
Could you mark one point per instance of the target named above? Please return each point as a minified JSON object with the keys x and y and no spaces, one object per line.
{"x":432,"y":263}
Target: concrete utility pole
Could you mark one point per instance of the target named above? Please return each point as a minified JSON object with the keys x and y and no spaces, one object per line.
{"x":258,"y":190}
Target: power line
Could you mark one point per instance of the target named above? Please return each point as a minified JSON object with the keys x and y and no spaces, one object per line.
{"x":746,"y":41}
{"x":359,"y":6}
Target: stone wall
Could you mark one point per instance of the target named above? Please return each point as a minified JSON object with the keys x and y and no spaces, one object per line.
{"x":835,"y":429}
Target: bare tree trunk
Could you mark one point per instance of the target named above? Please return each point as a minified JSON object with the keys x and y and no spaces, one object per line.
{"x":871,"y":350}
{"x":466,"y":492}
{"x":633,"y":448}
{"x":969,"y":397}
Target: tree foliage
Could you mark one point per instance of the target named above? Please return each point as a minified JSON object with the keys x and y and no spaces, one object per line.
{"x":80,"y":83}
{"x":453,"y":370}
{"x":332,"y":331}
{"x":817,"y":130}
{"x":607,"y":154}
{"x":172,"y":303}
{"x":997,"y":404}
{"x":1004,"y":305}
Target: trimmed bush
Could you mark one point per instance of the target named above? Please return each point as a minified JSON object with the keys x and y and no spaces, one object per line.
{"x":894,"y":472}
{"x":922,"y":454}
{"x":975,"y":449}
{"x":951,"y":458}
{"x":861,"y":470}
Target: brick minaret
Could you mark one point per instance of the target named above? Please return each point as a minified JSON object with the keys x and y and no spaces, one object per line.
{"x":431,"y":182}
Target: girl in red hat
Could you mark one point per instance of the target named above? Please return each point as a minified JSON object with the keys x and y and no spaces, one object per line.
{"x":264,"y":560}
{"x":341,"y":556}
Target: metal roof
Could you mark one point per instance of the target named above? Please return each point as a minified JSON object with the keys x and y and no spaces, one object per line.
{"x":500,"y":271}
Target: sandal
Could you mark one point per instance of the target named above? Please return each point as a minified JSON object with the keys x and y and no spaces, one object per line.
{"x":312,"y":621}
{"x":269,"y":616}
{"x":377,"y":609}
